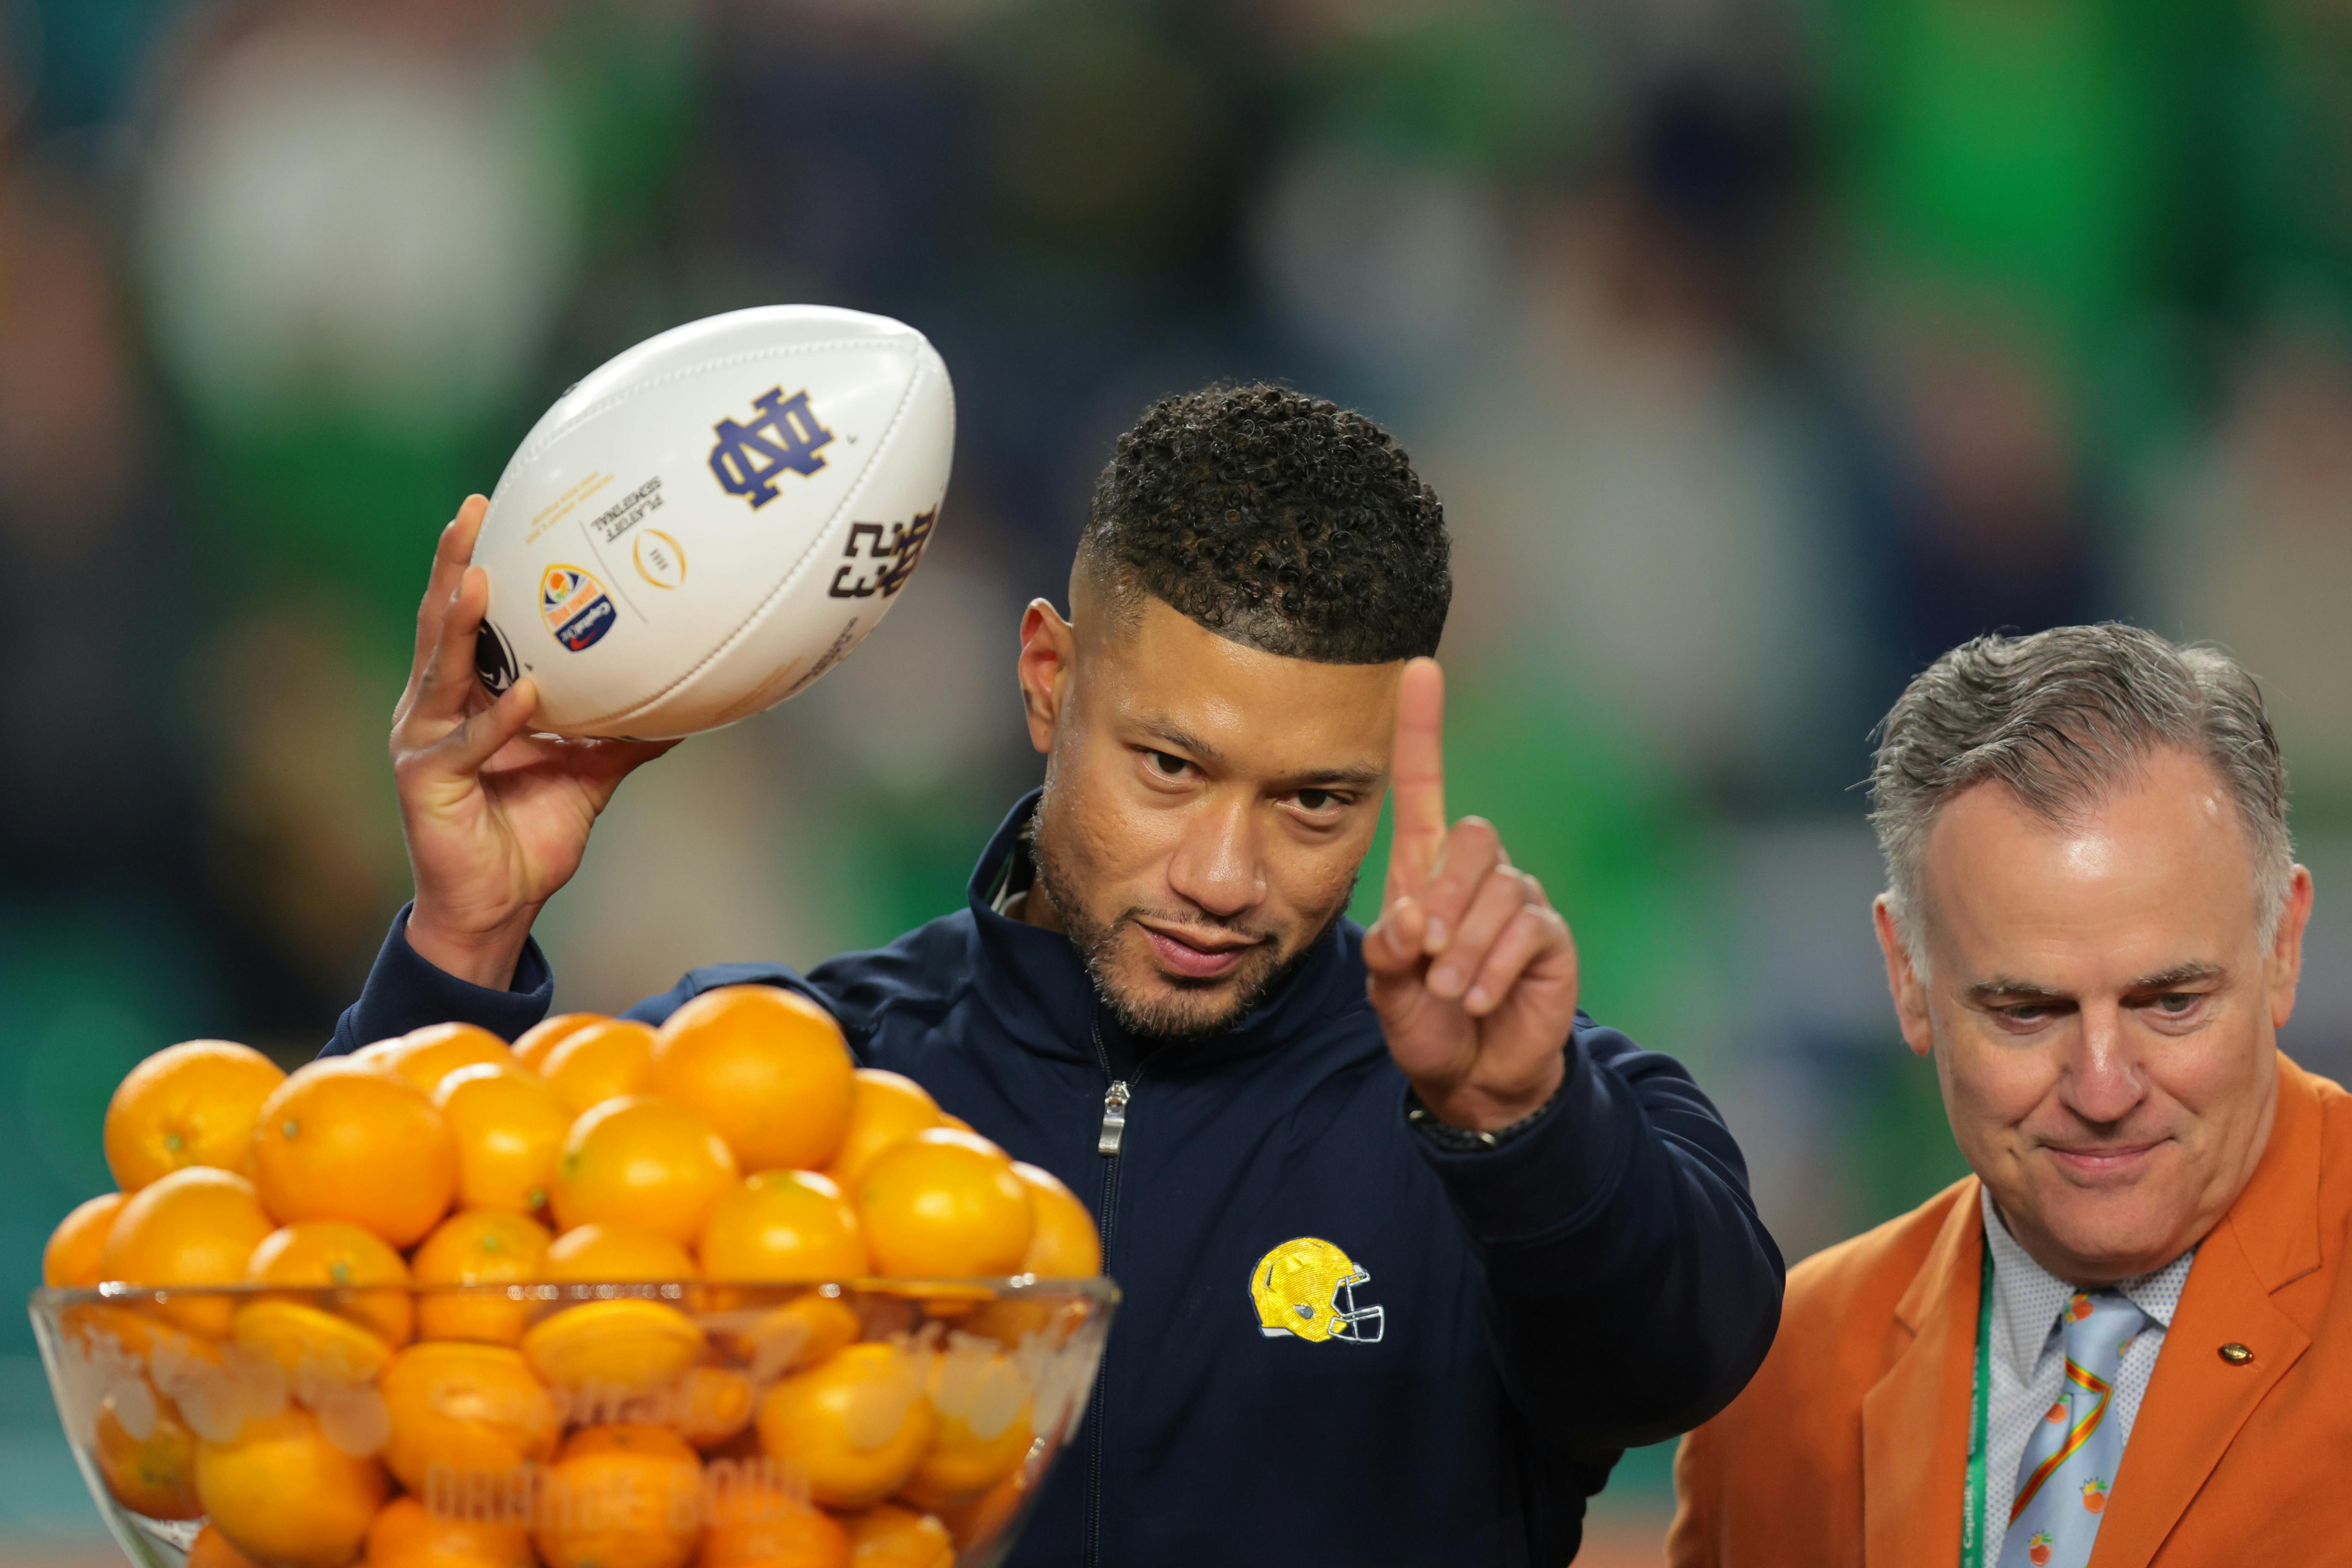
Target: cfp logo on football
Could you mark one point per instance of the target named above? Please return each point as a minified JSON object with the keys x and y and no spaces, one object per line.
{"x":895,"y":556}
{"x":784,"y":437}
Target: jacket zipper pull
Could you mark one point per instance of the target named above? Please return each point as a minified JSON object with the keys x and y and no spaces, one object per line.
{"x":1114,"y":1121}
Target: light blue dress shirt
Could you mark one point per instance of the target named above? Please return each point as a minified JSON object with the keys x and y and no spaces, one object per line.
{"x":2029,"y":1365}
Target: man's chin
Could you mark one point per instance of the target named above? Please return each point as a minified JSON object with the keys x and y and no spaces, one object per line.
{"x":2112,"y":1235}
{"x":1176,"y":1009}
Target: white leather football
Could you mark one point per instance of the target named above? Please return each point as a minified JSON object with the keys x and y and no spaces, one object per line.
{"x":712,"y":520}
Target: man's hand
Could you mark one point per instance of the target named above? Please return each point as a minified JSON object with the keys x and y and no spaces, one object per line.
{"x":1473,"y":971}
{"x":496,"y":820}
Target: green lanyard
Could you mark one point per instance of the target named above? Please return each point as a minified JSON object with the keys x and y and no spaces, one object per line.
{"x":1972,"y":1501}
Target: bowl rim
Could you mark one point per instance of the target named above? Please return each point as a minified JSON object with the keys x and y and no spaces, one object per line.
{"x":1100,"y":1289}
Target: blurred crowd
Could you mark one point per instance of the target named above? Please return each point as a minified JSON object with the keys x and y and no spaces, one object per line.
{"x":1761,"y":349}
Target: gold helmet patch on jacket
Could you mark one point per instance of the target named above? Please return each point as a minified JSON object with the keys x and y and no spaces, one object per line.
{"x":1306,"y":1286}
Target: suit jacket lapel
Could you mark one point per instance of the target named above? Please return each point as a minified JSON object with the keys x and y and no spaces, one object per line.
{"x":2196,"y":1401}
{"x":1914,"y":1419}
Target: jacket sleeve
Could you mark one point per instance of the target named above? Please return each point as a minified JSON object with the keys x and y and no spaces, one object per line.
{"x":405,"y":992}
{"x":1633,"y":1289}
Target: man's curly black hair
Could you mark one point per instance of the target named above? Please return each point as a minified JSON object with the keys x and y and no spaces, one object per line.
{"x":1275,"y":520}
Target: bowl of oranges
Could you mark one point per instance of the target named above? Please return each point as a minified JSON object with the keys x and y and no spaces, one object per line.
{"x":612,"y":1297}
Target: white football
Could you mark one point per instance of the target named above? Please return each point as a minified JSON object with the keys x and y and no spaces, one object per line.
{"x":714,"y":518}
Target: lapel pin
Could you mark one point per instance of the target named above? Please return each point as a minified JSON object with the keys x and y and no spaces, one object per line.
{"x":2236,"y":1354}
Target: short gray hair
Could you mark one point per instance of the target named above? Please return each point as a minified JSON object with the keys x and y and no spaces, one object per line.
{"x":2060,"y":718}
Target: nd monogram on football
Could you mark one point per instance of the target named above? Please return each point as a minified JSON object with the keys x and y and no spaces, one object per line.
{"x":1399,"y":1157}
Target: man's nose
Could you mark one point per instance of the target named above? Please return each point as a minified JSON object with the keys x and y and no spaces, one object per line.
{"x":1216,"y":867}
{"x":2103,"y":1081}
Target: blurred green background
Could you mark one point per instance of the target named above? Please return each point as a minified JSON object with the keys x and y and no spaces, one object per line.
{"x":1761,"y":349}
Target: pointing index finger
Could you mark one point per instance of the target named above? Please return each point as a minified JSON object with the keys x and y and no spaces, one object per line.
{"x":1420,"y":771}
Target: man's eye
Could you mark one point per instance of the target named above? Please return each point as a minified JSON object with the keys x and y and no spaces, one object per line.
{"x":1317,"y":800}
{"x":2176,"y":1002}
{"x":2028,"y":1012}
{"x":1168,"y":765}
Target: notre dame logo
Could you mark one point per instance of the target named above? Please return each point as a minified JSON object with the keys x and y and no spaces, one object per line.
{"x":897,"y":556}
{"x":786,"y":434}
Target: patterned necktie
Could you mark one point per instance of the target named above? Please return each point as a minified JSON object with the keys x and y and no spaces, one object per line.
{"x":2070,"y":1461}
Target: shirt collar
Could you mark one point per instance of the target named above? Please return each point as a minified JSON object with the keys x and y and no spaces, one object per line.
{"x":2027,"y":1297}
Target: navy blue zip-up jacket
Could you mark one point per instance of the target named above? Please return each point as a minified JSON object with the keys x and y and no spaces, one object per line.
{"x":1599,"y":1282}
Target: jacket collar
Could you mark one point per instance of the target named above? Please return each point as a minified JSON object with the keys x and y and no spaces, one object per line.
{"x":1035,"y":981}
{"x":1910,"y":1488}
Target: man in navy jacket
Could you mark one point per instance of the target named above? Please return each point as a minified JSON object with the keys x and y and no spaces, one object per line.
{"x":1412,"y":1248}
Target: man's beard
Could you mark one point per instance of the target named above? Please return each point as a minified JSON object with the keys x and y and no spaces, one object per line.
{"x":1158,"y":1020}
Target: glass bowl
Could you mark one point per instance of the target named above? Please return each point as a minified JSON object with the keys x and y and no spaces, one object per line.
{"x":572,"y":1425}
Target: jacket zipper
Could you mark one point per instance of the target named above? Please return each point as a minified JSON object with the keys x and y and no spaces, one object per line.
{"x":1114,"y":1121}
{"x":1107,"y":1139}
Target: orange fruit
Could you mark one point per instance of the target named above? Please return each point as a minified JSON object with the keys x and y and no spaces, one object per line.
{"x":341,"y":1141}
{"x":533,"y":1046}
{"x":800,"y":1333}
{"x":889,"y":1536}
{"x":884,"y":1107}
{"x":852,"y":1428}
{"x":958,"y":1124}
{"x":944,"y":1204}
{"x":477,"y":1247}
{"x":1064,"y":1243}
{"x":599,"y":1062}
{"x":754,"y":1523}
{"x":617,"y":1255}
{"x":984,"y":1517}
{"x":214,"y":1393}
{"x":620,"y":1495}
{"x":407,"y":1534}
{"x":104,"y":1331}
{"x":145,"y":1453}
{"x":70,"y":1258}
{"x":316,"y":1349}
{"x":195,"y":1226}
{"x":424,"y":1057}
{"x":767,"y":1067}
{"x":646,"y":1162}
{"x":189,"y":1104}
{"x":380,"y":1054}
{"x":981,"y":1433}
{"x":783,"y":1226}
{"x":613,"y":1351}
{"x":477,"y":1409}
{"x":217,"y":1389}
{"x":708,"y":1405}
{"x":332,"y":1254}
{"x":211,"y":1549}
{"x":282,"y":1492}
{"x":510,"y":1128}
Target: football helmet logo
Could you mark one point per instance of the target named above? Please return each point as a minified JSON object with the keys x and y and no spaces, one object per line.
{"x":1306,"y":1286}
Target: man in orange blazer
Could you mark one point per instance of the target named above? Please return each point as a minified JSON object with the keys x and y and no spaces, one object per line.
{"x":2127,"y":1340}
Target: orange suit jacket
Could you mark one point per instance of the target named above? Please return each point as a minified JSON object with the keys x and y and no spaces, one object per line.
{"x":1849,"y":1448}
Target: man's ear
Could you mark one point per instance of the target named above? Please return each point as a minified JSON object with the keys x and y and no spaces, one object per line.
{"x":1049,"y":650}
{"x":1903,"y":979}
{"x":2286,"y":948}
